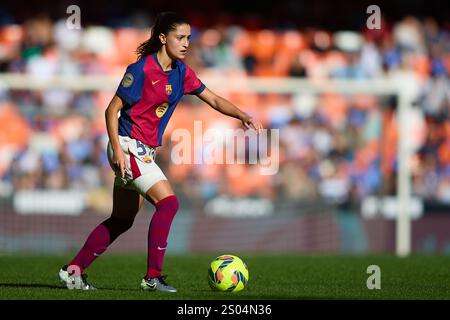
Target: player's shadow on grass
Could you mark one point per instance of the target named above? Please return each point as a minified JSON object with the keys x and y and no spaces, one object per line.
{"x":31,"y":285}
{"x":117,"y":289}
{"x":49,"y":286}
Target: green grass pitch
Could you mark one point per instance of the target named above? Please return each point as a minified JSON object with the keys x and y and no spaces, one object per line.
{"x":271,"y":277}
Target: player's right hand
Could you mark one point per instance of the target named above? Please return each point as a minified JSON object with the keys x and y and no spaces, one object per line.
{"x":119,"y":162}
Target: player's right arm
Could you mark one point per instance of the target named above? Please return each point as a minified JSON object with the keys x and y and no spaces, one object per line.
{"x":112,"y":126}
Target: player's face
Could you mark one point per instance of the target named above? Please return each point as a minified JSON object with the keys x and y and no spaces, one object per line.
{"x":178,"y":41}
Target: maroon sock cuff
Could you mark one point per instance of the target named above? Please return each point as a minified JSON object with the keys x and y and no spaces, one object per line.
{"x":166,"y":200}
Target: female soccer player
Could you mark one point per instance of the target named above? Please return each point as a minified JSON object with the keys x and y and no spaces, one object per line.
{"x":146,"y":98}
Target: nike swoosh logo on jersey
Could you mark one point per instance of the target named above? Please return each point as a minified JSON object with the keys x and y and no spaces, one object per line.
{"x":159,"y":248}
{"x":155,"y":82}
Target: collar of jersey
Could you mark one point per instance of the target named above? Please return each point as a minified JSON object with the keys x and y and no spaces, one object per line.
{"x":174,"y":65}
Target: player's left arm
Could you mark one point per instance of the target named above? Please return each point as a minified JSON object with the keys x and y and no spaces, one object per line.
{"x":226,"y":107}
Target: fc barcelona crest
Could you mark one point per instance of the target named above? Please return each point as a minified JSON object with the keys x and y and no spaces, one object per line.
{"x":168,"y":89}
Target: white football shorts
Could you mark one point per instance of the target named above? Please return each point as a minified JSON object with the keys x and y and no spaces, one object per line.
{"x":142,"y":172}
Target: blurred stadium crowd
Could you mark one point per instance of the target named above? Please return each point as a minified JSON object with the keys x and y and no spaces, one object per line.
{"x":333,"y":146}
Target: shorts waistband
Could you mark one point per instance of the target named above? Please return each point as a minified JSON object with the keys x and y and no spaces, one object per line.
{"x":127,"y":138}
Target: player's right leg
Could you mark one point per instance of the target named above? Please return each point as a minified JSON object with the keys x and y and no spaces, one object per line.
{"x":166,"y":204}
{"x":126,"y":204}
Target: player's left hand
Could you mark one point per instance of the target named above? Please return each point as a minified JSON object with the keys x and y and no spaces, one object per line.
{"x":251,"y":123}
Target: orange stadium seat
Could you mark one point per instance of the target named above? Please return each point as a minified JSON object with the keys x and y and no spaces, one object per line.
{"x":420,"y":64}
{"x":290,"y":44}
{"x":264,"y":45}
{"x":15,"y":130}
{"x":389,"y":145}
{"x":242,"y":43}
{"x":11,"y":35}
{"x":127,"y":40}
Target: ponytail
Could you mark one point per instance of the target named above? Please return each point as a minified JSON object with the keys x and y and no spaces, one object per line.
{"x":164,"y":23}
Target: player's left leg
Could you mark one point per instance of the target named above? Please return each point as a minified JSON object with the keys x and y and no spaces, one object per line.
{"x":166,"y":204}
{"x":126,"y":205}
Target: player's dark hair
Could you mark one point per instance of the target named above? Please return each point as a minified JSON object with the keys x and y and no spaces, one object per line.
{"x":164,"y":23}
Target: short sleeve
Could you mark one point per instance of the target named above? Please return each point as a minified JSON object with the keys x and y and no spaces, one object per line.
{"x":130,"y":87}
{"x":192,"y":84}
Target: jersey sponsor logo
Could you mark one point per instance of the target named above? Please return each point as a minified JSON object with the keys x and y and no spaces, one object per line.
{"x":168,"y":89}
{"x":127,"y":80}
{"x":161,"y":110}
{"x":155,"y":82}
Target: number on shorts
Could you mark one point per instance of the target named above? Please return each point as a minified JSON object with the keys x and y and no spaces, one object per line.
{"x":140,"y":145}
